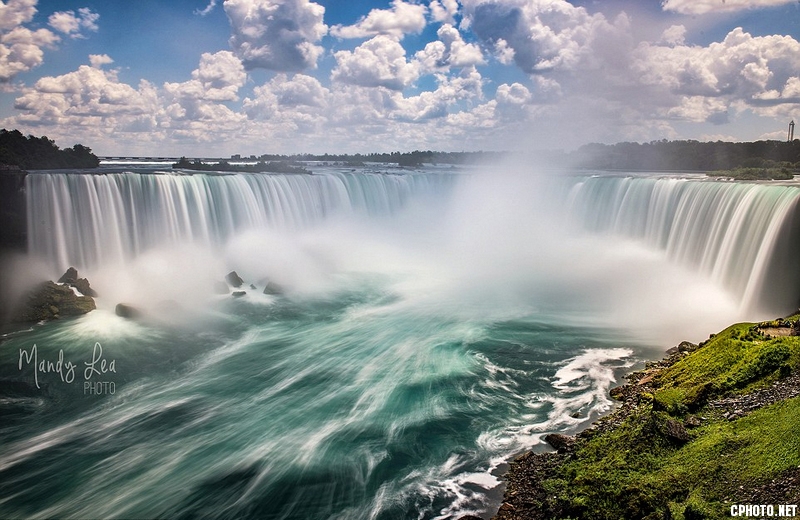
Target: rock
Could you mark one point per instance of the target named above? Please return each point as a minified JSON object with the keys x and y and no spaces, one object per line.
{"x":50,"y":300}
{"x":233,"y":279}
{"x":253,"y":287}
{"x":672,"y":351}
{"x":693,"y":421}
{"x":675,"y":430}
{"x":618,"y":392}
{"x":686,"y":346}
{"x":126,"y":311}
{"x":239,"y":294}
{"x":82,"y":284}
{"x":273,"y":289}
{"x":560,"y":442}
{"x":221,"y":288}
{"x":70,"y":276}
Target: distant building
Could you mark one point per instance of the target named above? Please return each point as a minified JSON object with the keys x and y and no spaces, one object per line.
{"x":791,"y":131}
{"x":236,"y":157}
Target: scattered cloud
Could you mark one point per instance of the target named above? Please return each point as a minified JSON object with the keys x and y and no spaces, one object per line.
{"x":444,"y":10}
{"x":497,"y":74}
{"x":278,"y":35}
{"x":379,"y":62}
{"x":544,"y":36}
{"x":98,"y":60}
{"x":401,"y":19}
{"x":207,"y":9}
{"x":450,"y":50}
{"x":73,"y":24}
{"x":693,"y":7}
{"x":21,"y":49}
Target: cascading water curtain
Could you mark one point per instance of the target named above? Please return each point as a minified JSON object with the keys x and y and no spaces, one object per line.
{"x":728,"y":231}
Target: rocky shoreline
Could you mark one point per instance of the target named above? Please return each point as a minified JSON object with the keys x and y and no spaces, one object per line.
{"x":658,"y":427}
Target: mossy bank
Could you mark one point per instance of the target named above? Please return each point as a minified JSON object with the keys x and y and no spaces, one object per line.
{"x":710,"y":426}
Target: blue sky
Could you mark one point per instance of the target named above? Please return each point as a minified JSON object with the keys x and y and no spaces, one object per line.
{"x":213,"y":78}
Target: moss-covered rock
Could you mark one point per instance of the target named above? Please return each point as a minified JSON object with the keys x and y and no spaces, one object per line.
{"x":50,"y":300}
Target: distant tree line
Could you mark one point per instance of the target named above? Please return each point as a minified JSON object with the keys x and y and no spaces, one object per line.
{"x":688,"y":155}
{"x":41,"y":153}
{"x":415,"y":158}
{"x":225,"y":166}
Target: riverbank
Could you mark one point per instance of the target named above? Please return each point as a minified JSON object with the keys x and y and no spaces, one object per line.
{"x":708,"y":427}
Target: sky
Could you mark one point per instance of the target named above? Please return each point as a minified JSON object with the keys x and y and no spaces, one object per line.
{"x":211,"y":78}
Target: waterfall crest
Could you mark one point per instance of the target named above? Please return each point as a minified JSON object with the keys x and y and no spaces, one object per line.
{"x":741,"y":235}
{"x":89,"y":220}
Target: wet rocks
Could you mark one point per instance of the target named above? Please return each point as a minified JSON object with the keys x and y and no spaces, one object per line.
{"x":273,"y":289}
{"x":50,"y":300}
{"x":233,"y":279}
{"x":561,"y":443}
{"x":70,"y":277}
{"x":127,"y":311}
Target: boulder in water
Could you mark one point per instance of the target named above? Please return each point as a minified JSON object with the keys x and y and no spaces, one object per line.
{"x":69,"y":276}
{"x":233,"y":279}
{"x":124,"y":310}
{"x":273,"y":289}
{"x":238,"y":294}
{"x":50,"y":300}
{"x":82,"y":284}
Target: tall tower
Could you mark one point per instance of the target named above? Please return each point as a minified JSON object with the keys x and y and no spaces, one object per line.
{"x":791,"y":131}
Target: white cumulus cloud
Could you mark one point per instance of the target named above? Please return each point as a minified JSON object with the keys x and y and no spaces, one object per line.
{"x":444,"y":10}
{"x":401,"y":19}
{"x":278,"y":35}
{"x":718,"y":6}
{"x":73,"y":24}
{"x":21,"y":48}
{"x":545,"y":35}
{"x":450,"y":50}
{"x":379,"y":62}
{"x":98,"y":60}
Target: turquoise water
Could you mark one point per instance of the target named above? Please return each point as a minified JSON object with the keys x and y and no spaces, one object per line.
{"x":432,"y":327}
{"x":343,"y":407}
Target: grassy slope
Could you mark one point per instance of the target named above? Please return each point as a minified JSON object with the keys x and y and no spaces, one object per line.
{"x":637,"y":471}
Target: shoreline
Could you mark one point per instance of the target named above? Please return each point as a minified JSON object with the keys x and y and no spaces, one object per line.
{"x":657,"y":413}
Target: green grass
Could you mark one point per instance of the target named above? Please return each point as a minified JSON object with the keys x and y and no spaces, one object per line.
{"x":737,"y":359}
{"x":637,"y":471}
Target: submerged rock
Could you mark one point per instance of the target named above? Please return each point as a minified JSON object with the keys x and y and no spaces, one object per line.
{"x":238,"y":294}
{"x":50,"y":300}
{"x":124,"y":310}
{"x":233,"y":279}
{"x":273,"y":289}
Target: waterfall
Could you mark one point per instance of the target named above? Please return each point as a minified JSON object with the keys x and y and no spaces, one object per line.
{"x":89,"y":220}
{"x":743,"y":236}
